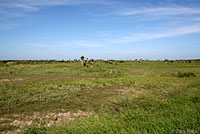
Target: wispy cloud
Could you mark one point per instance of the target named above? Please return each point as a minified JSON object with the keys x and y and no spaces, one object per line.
{"x":16,"y":8}
{"x":34,"y":5}
{"x":105,"y":34}
{"x":41,"y":46}
{"x":160,"y":11}
{"x":10,"y":9}
{"x":7,"y":25}
{"x":169,"y":33}
{"x":175,"y":20}
{"x":86,"y":43}
{"x":20,"y":5}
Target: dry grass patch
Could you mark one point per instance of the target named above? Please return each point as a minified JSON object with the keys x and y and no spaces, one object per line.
{"x":47,"y":119}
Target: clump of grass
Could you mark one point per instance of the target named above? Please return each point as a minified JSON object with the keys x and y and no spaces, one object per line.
{"x":78,"y":95}
{"x":186,"y":74}
{"x":34,"y":130}
{"x":7,"y":127}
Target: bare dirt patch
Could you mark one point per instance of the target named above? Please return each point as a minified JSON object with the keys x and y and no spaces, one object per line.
{"x":48,"y":118}
{"x":8,"y":80}
{"x":4,"y":80}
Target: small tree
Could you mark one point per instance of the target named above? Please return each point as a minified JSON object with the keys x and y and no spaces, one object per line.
{"x":87,"y":60}
{"x":82,"y":57}
{"x":82,"y":60}
{"x":166,"y":60}
{"x":91,"y":63}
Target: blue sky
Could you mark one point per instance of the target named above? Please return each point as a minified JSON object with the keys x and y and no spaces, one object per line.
{"x":99,"y":29}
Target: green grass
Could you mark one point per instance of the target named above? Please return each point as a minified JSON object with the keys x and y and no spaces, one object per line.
{"x":123,"y":97}
{"x":147,"y":115}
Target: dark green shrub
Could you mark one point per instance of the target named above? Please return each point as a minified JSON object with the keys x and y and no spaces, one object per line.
{"x":189,"y":74}
{"x":78,"y":94}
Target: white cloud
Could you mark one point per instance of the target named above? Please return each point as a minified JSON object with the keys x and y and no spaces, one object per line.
{"x":177,"y":20}
{"x":35,"y":4}
{"x":12,"y":5}
{"x":169,"y":33}
{"x":17,"y":8}
{"x":105,"y":34}
{"x":196,"y":19}
{"x":87,"y":43}
{"x":7,"y":25}
{"x":10,"y":9}
{"x":158,"y":11}
{"x":42,"y":46}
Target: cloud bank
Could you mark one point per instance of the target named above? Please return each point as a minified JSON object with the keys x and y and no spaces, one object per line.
{"x":160,"y":11}
{"x":168,"y":33}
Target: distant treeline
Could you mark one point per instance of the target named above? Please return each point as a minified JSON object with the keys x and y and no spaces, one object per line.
{"x":106,"y":61}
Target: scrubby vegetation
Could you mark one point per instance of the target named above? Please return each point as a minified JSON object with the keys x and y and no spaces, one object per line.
{"x":38,"y":97}
{"x":186,"y":74}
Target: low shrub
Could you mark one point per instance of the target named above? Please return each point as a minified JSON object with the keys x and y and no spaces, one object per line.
{"x":188,"y":74}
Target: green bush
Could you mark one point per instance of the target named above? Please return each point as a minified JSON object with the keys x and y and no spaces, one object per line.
{"x":189,"y":74}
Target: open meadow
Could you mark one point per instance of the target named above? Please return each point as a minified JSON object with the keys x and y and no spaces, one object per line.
{"x":110,"y":97}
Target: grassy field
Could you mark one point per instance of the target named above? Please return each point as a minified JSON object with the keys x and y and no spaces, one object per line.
{"x":116,"y":97}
